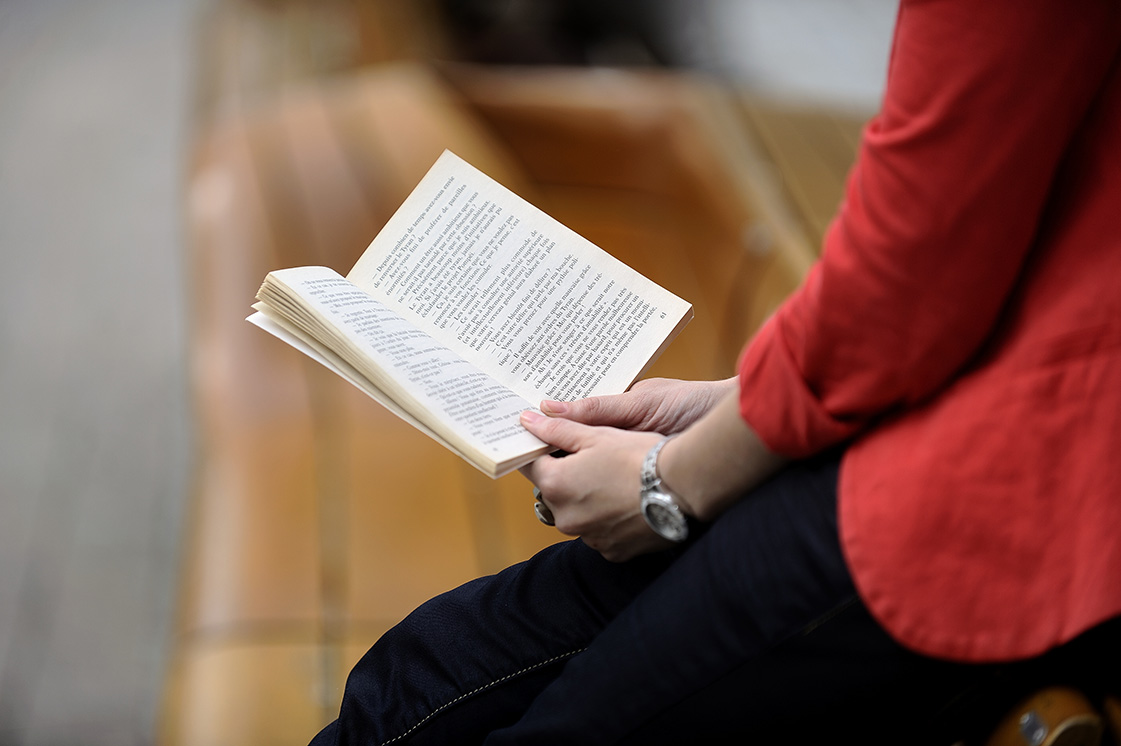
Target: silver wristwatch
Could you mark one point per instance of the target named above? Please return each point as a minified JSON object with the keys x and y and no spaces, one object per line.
{"x":659,"y":508}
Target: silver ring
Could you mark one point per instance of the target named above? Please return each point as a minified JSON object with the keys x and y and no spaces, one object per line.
{"x":541,"y":509}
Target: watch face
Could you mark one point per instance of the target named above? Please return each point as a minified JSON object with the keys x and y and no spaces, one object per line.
{"x":666,"y":521}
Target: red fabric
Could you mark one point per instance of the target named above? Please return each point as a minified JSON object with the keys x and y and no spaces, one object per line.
{"x":963,"y":329}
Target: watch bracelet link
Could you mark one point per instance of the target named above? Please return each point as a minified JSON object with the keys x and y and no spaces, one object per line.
{"x":649,"y":472}
{"x":655,"y":493}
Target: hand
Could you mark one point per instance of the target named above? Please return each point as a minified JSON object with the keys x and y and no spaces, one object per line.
{"x":660,"y":405}
{"x":593,"y":491}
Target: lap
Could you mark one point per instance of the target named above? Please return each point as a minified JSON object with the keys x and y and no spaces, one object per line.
{"x":748,"y":629}
{"x":770,"y":571}
{"x":471,"y":660}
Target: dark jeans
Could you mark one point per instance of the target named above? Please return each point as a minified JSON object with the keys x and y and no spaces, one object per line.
{"x":752,"y":630}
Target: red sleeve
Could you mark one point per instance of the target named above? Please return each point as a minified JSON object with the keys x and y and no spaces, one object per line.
{"x":940,"y":212}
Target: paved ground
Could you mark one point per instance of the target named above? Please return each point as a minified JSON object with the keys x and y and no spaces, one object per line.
{"x":94,"y":438}
{"x":94,"y":421}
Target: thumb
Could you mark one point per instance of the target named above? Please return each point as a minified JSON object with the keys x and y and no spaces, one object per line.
{"x":563,"y":434}
{"x":614,"y":410}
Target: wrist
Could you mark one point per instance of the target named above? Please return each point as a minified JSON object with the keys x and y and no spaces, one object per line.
{"x":659,"y":506}
{"x":716,"y":461}
{"x":671,"y":442}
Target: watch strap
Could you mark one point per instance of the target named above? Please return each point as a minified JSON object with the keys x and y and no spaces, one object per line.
{"x":649,"y":472}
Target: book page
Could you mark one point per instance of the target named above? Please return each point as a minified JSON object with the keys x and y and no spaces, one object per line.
{"x":544,"y":311}
{"x":264,"y":319}
{"x":450,"y":396}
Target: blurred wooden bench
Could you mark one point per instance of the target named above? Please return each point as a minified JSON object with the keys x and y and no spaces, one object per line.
{"x":318,"y":520}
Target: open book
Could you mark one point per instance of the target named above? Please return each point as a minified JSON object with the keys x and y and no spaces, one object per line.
{"x":469,"y":307}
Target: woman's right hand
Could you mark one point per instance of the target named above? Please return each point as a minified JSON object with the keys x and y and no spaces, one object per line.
{"x":662,"y":405}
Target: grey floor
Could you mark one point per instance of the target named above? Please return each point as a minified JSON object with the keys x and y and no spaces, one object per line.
{"x":94,"y":433}
{"x":95,"y":436}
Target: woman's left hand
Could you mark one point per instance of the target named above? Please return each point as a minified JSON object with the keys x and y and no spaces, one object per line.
{"x":593,"y":491}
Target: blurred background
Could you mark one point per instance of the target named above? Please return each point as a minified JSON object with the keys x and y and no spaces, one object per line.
{"x":199,"y":533}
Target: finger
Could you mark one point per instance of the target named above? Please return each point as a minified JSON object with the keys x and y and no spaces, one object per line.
{"x":529,"y":471}
{"x":616,"y":410}
{"x":564,"y":434}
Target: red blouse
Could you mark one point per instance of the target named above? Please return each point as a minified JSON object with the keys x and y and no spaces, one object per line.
{"x":963,"y":331}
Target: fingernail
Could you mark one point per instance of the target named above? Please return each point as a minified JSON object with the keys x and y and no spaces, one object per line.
{"x":529,"y":416}
{"x":554,"y":407}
